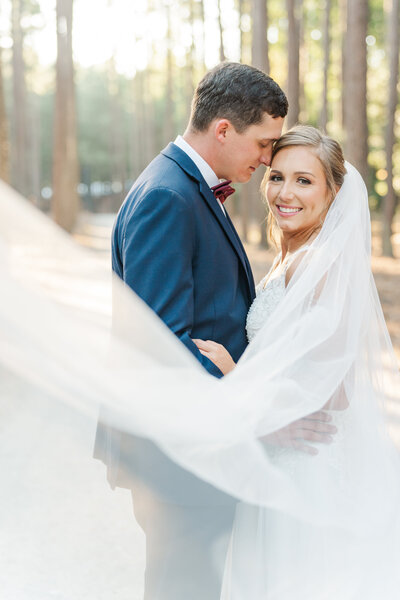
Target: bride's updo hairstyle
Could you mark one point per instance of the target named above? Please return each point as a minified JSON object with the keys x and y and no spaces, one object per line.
{"x":326,"y":149}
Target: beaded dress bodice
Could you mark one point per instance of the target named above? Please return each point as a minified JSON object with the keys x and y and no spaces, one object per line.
{"x":269,"y":292}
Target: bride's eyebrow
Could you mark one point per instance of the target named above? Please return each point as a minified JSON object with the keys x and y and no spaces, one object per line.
{"x":304,"y":173}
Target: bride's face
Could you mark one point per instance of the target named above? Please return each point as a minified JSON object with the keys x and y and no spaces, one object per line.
{"x":297,"y":191}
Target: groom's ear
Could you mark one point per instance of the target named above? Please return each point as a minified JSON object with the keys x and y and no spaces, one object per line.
{"x":221,"y":128}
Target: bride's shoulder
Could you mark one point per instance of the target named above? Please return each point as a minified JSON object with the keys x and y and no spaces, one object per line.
{"x":293,"y":262}
{"x":275,"y":264}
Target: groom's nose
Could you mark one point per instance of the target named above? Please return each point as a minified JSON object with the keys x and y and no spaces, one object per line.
{"x":265,"y":158}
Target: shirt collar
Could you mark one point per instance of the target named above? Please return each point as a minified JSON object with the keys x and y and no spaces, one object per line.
{"x":204,"y":168}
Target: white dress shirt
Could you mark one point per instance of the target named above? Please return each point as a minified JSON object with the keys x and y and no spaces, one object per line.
{"x":204,"y":168}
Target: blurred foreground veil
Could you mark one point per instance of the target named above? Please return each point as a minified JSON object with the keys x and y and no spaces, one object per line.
{"x":306,"y":527}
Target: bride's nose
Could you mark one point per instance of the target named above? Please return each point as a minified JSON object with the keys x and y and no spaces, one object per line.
{"x":286,"y":192}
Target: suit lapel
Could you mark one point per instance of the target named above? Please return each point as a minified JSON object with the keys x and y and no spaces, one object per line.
{"x":246,"y":260}
{"x":185,"y":162}
{"x":229,"y":230}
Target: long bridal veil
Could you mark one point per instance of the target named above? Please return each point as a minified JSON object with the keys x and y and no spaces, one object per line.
{"x":314,"y":527}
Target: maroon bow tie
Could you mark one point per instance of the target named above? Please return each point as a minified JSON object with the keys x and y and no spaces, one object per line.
{"x":222,"y":190}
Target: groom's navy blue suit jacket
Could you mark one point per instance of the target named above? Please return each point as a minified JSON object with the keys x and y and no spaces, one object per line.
{"x":173,"y":245}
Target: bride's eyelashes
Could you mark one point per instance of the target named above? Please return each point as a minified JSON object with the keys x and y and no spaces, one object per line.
{"x":275,"y":178}
{"x":278,"y":178}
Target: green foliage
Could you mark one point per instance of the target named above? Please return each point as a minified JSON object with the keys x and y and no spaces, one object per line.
{"x":121,"y":119}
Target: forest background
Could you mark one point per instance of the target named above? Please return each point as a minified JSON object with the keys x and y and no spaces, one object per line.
{"x":91,"y":91}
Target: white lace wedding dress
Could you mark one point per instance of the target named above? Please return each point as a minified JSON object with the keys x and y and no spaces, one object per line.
{"x":307,"y":527}
{"x":269,"y":292}
{"x":271,"y":553}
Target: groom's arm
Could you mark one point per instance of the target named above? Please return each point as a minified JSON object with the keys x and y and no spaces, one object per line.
{"x":156,"y":246}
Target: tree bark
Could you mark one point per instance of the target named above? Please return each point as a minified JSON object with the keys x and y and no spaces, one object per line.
{"x":4,"y":143}
{"x":20,"y":135}
{"x":343,"y":28}
{"x":203,"y":20}
{"x":117,"y":137}
{"x":327,"y":44}
{"x":244,"y":199}
{"x":190,"y":67}
{"x":35,"y":150}
{"x":65,"y":201}
{"x":259,"y":59}
{"x":222,"y":55}
{"x":355,"y":84}
{"x":293,"y":85}
{"x":169,"y":121}
{"x":389,"y":205}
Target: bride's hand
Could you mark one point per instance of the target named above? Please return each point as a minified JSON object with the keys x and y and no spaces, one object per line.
{"x":217,"y":353}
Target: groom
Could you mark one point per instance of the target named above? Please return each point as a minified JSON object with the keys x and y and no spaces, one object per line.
{"x":174,"y":244}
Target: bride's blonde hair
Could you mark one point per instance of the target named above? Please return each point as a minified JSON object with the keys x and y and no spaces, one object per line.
{"x":326,"y":149}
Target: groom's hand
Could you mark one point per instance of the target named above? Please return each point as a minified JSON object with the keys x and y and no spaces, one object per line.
{"x":314,"y":428}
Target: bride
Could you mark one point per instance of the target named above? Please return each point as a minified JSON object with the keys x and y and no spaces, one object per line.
{"x":307,"y":171}
{"x":307,"y":526}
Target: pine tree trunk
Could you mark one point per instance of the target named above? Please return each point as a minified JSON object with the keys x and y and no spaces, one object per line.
{"x":259,"y":59}
{"x":244,"y":206}
{"x":4,"y":144}
{"x":35,"y":150}
{"x":327,"y":43}
{"x":293,"y":85}
{"x":343,"y":25}
{"x":355,"y":106}
{"x":203,"y":19}
{"x":20,"y":136}
{"x":190,"y":69}
{"x":117,"y":141}
{"x":65,"y":201}
{"x":169,"y":122}
{"x":390,"y":201}
{"x":222,"y":55}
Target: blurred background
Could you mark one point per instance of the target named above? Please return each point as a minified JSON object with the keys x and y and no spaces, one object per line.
{"x":90,"y":92}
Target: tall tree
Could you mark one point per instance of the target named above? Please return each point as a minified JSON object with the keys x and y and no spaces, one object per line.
{"x":190,"y":65}
{"x":20,"y":126}
{"x":65,"y":202}
{"x":327,"y":44}
{"x":117,"y":131}
{"x":244,"y":189}
{"x":393,"y":53}
{"x":355,"y":86}
{"x":222,"y":55}
{"x":259,"y":59}
{"x":169,"y":120}
{"x":293,"y":83}
{"x":203,"y":30}
{"x":4,"y":145}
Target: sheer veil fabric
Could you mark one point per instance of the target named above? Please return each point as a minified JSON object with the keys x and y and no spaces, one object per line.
{"x":315,"y":527}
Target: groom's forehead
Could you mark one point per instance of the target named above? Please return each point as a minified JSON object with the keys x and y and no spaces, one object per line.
{"x":270,"y":129}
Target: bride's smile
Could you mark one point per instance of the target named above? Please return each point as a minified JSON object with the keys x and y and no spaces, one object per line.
{"x":297,"y":199}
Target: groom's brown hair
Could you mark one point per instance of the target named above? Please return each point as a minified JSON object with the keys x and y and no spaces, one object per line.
{"x":239,"y":93}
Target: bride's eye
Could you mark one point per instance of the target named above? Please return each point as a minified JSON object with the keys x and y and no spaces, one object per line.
{"x":275,"y":178}
{"x":304,"y":180}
